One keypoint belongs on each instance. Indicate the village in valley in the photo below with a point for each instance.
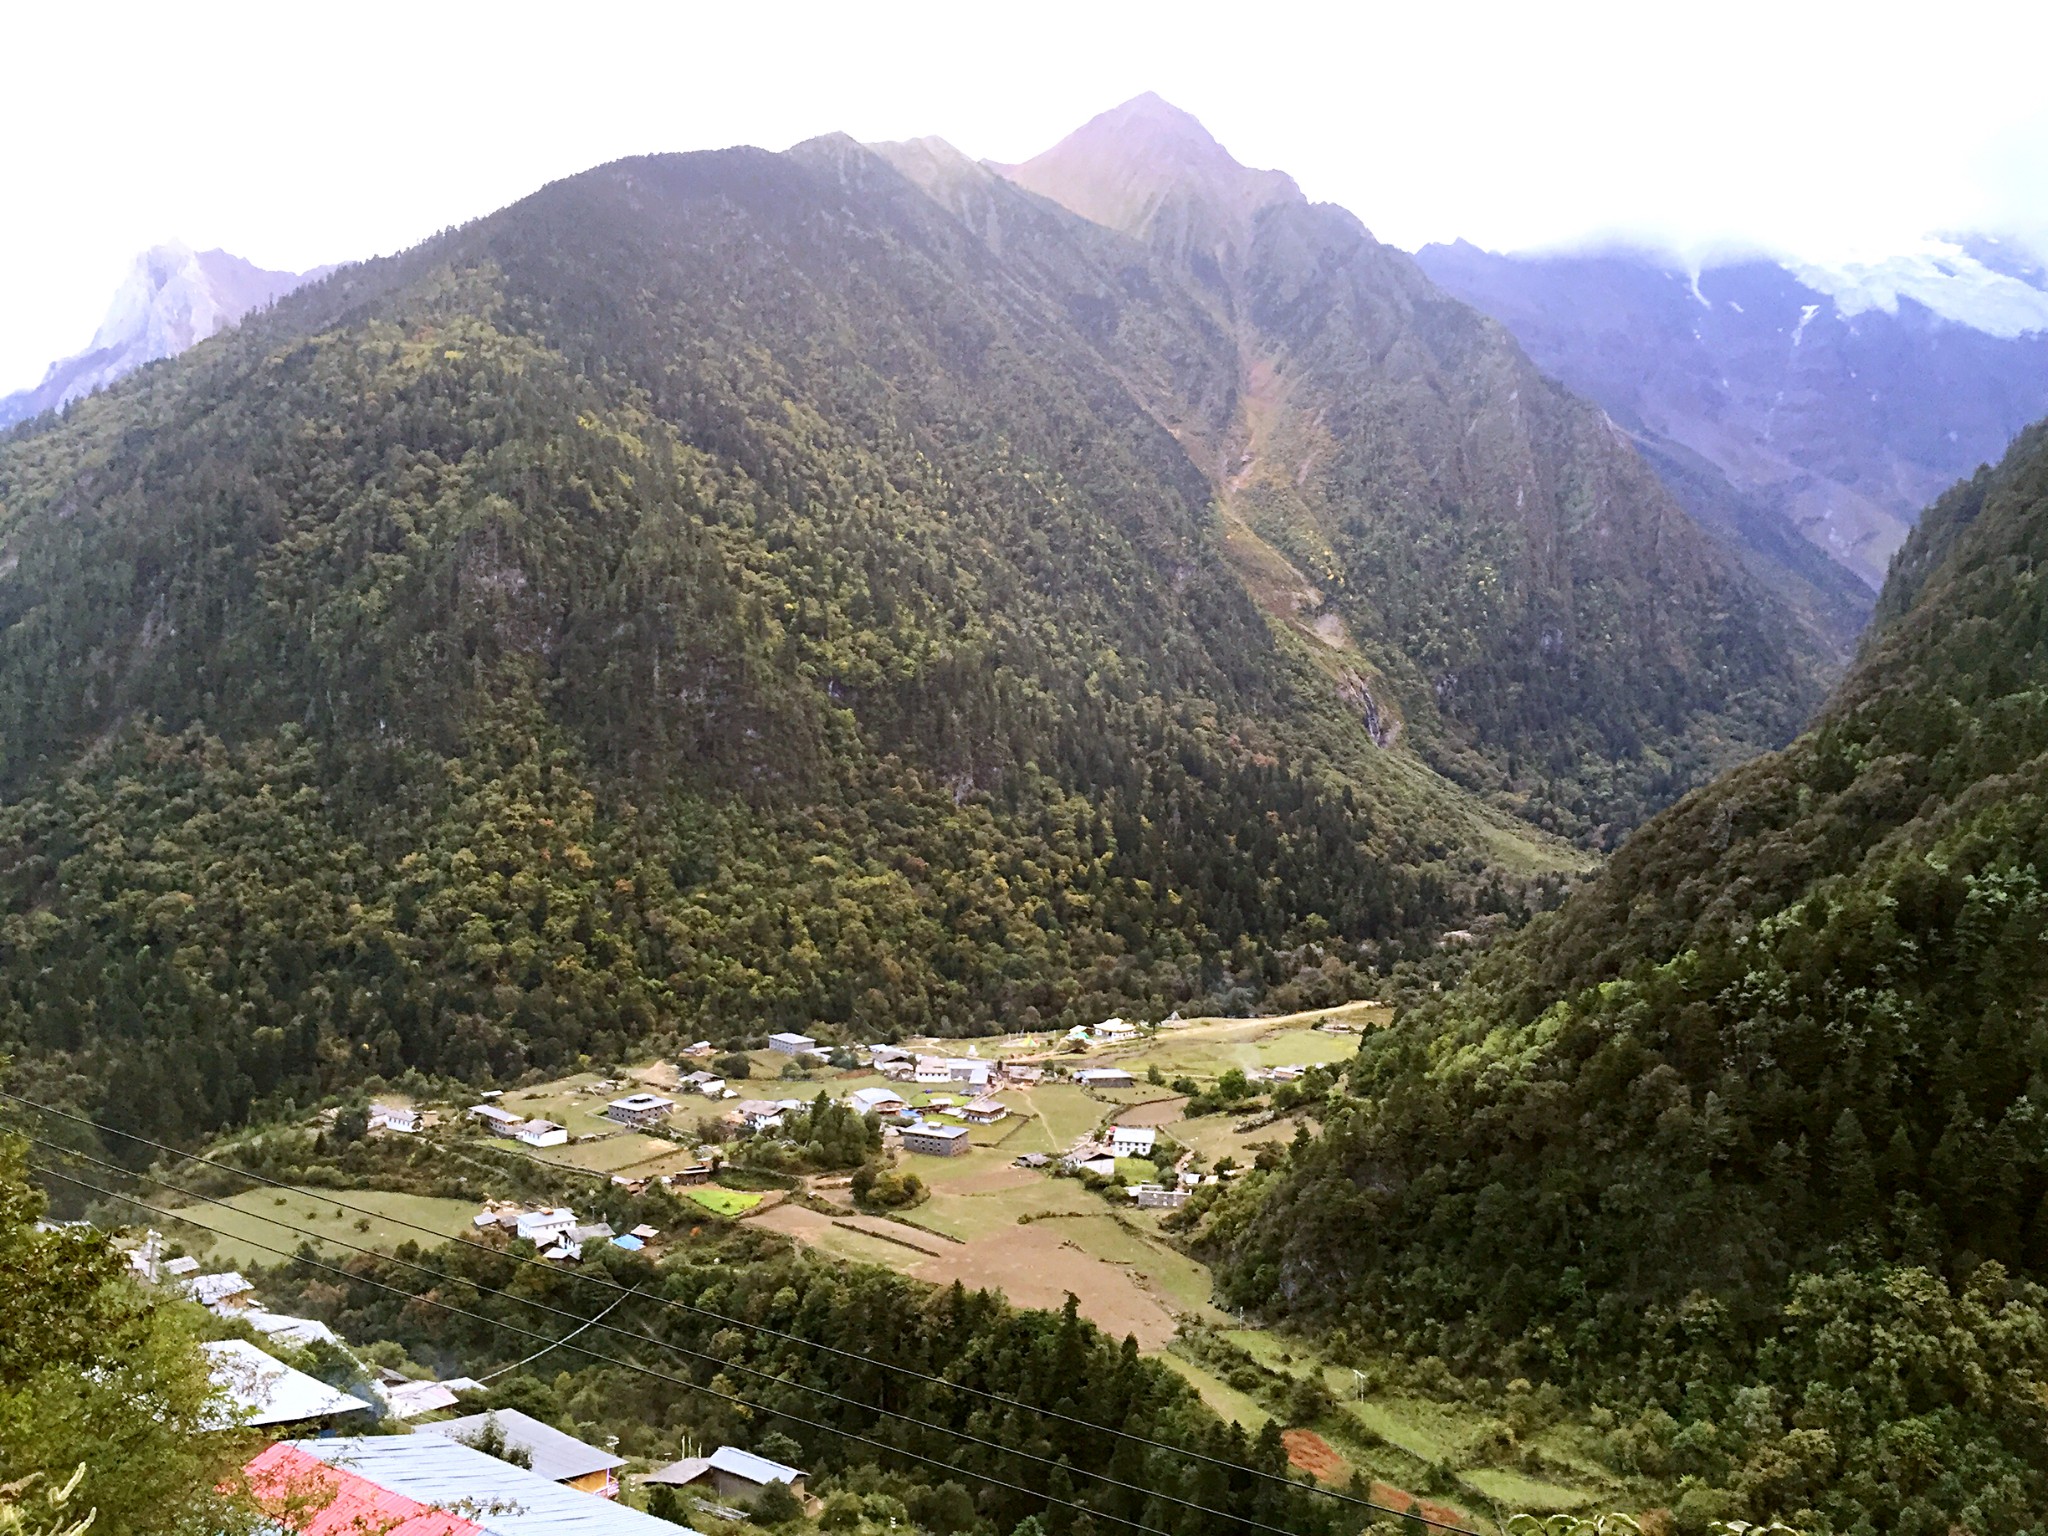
(1043, 1166)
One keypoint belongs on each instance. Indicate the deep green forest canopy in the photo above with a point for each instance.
(1750, 1137)
(721, 593)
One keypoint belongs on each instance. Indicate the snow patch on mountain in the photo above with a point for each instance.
(1940, 276)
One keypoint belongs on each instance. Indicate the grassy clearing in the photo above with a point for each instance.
(726, 1202)
(973, 1216)
(1520, 1491)
(249, 1220)
(1224, 1399)
(615, 1154)
(1066, 1113)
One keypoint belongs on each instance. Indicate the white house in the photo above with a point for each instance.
(1111, 1030)
(502, 1120)
(1156, 1197)
(1132, 1140)
(759, 1114)
(934, 1069)
(542, 1133)
(983, 1112)
(542, 1227)
(792, 1044)
(394, 1117)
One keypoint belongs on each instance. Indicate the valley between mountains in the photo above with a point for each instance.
(1050, 844)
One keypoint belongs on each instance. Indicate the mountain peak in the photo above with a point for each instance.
(1151, 170)
(172, 297)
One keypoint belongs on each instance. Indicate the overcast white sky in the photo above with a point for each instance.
(295, 135)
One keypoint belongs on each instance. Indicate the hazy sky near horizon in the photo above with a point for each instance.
(297, 136)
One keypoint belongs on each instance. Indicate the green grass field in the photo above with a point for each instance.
(969, 1216)
(246, 1221)
(1065, 1113)
(726, 1202)
(1226, 1401)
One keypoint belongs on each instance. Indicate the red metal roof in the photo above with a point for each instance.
(305, 1494)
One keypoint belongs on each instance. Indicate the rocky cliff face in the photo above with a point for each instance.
(1830, 403)
(172, 298)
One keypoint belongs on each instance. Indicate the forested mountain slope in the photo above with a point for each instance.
(1749, 1133)
(1485, 553)
(719, 593)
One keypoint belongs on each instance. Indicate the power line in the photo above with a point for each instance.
(606, 1283)
(680, 1349)
(627, 1365)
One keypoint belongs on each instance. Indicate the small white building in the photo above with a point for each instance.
(1154, 1197)
(758, 1114)
(934, 1069)
(983, 1111)
(792, 1044)
(542, 1133)
(394, 1117)
(1112, 1030)
(500, 1120)
(1132, 1140)
(543, 1227)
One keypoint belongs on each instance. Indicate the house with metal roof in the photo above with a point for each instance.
(262, 1391)
(221, 1293)
(301, 1493)
(935, 1140)
(876, 1101)
(1133, 1140)
(551, 1454)
(639, 1110)
(729, 1472)
(1104, 1077)
(495, 1497)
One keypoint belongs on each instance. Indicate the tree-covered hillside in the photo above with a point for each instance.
(1480, 550)
(719, 593)
(1748, 1137)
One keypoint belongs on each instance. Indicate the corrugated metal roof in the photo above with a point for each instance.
(556, 1456)
(728, 1459)
(755, 1469)
(261, 1390)
(306, 1495)
(502, 1499)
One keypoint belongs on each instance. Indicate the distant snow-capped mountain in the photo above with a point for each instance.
(1833, 401)
(172, 297)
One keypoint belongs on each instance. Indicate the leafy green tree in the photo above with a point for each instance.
(98, 1373)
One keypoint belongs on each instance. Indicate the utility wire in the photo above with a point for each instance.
(605, 1282)
(679, 1349)
(505, 1370)
(627, 1365)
